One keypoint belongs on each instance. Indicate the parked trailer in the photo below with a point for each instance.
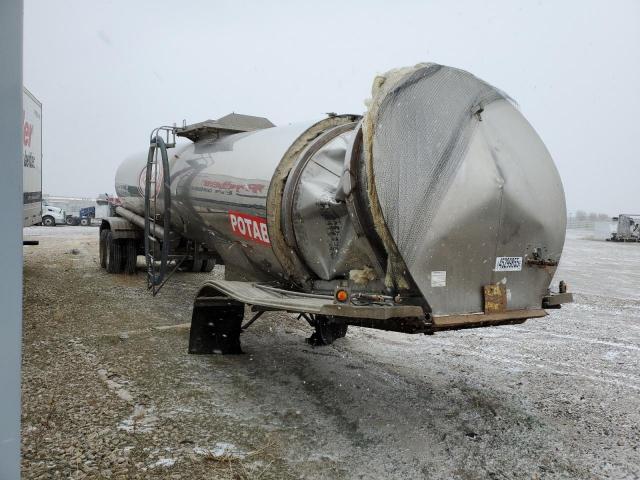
(628, 228)
(32, 159)
(438, 209)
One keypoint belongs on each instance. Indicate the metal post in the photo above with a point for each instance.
(11, 14)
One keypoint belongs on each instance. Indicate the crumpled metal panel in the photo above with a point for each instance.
(324, 233)
(421, 133)
(461, 180)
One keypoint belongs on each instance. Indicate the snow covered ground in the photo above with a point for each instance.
(107, 394)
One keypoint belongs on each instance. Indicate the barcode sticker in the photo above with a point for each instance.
(508, 264)
(439, 279)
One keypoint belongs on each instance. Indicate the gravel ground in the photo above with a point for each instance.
(110, 392)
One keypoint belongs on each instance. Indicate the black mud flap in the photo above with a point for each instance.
(327, 330)
(215, 326)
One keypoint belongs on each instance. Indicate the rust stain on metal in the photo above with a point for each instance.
(512, 317)
(495, 298)
(532, 262)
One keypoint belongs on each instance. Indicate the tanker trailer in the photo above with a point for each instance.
(438, 209)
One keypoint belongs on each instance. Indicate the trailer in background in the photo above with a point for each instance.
(32, 159)
(628, 229)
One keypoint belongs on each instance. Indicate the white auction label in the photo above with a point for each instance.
(439, 279)
(508, 264)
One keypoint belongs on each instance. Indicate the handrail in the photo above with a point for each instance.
(156, 274)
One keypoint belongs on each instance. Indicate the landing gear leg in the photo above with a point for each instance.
(215, 326)
(327, 330)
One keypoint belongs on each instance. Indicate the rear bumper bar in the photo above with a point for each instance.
(475, 320)
(403, 318)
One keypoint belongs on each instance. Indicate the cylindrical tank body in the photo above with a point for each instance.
(219, 191)
(428, 194)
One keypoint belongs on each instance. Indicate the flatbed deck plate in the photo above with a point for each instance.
(259, 295)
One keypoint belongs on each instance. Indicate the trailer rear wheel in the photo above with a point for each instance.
(102, 249)
(130, 256)
(192, 265)
(207, 265)
(114, 254)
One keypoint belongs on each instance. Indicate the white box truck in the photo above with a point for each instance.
(32, 159)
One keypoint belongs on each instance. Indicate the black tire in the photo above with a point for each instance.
(102, 249)
(130, 256)
(327, 330)
(114, 254)
(191, 266)
(207, 265)
(186, 266)
(85, 222)
(197, 265)
(69, 220)
(48, 221)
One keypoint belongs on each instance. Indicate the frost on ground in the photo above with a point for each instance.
(221, 449)
(109, 392)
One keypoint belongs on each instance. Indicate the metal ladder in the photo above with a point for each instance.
(157, 239)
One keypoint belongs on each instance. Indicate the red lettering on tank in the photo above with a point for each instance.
(236, 187)
(249, 227)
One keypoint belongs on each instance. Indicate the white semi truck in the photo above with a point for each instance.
(52, 216)
(32, 160)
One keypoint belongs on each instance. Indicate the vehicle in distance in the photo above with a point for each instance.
(79, 210)
(627, 229)
(31, 159)
(84, 217)
(52, 216)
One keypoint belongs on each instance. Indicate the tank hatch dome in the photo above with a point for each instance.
(227, 125)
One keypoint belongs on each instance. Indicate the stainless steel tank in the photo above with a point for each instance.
(219, 193)
(441, 188)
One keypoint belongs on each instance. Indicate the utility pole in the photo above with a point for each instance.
(11, 16)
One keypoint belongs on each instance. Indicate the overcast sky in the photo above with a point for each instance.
(107, 72)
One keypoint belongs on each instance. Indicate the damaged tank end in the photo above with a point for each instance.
(438, 209)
